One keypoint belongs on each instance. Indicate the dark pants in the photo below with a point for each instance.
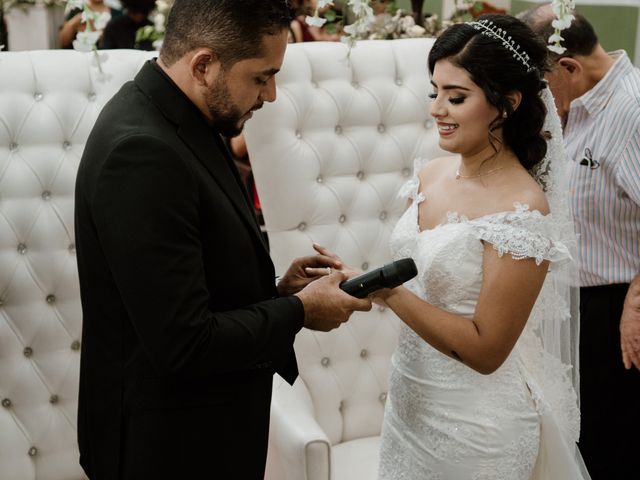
(609, 394)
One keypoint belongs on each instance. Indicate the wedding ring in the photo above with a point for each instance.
(328, 270)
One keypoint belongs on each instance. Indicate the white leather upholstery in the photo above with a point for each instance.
(49, 101)
(360, 125)
(329, 157)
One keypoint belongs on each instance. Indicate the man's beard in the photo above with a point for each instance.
(224, 114)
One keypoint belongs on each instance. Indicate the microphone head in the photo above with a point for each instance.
(398, 272)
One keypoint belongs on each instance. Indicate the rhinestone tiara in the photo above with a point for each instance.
(488, 28)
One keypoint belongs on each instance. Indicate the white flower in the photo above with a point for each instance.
(315, 21)
(324, 3)
(350, 30)
(557, 49)
(555, 38)
(162, 6)
(85, 41)
(101, 19)
(158, 22)
(407, 22)
(562, 22)
(415, 31)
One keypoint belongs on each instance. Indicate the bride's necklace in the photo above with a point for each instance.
(489, 172)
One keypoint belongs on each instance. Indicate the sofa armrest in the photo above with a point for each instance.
(298, 448)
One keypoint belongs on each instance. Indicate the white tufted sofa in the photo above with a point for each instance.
(49, 101)
(329, 157)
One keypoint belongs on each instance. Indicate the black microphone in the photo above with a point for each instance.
(388, 276)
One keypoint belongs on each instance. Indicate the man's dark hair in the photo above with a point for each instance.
(579, 39)
(233, 29)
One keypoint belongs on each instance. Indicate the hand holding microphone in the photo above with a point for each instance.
(388, 276)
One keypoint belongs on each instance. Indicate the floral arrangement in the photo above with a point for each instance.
(367, 26)
(155, 33)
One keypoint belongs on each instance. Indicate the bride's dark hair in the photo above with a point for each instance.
(497, 71)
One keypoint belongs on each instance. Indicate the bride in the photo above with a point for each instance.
(481, 383)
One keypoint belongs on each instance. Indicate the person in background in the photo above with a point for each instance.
(73, 21)
(598, 98)
(306, 33)
(120, 32)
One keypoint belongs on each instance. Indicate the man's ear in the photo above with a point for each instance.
(570, 65)
(204, 66)
(514, 98)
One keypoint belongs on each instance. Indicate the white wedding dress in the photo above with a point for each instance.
(445, 421)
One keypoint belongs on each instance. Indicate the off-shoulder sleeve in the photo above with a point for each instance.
(522, 234)
(410, 189)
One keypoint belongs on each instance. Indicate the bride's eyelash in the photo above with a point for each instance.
(453, 100)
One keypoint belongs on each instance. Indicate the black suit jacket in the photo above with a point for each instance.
(182, 327)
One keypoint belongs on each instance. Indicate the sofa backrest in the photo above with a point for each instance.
(329, 156)
(49, 101)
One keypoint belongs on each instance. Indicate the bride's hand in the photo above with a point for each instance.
(349, 271)
(380, 297)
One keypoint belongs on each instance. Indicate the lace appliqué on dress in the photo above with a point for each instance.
(523, 233)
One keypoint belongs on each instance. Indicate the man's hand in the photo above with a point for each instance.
(630, 326)
(326, 306)
(305, 270)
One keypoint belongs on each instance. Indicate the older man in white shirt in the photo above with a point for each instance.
(598, 98)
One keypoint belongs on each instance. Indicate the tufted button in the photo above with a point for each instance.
(72, 248)
(355, 84)
(406, 172)
(325, 361)
(314, 84)
(298, 134)
(319, 179)
(342, 219)
(53, 399)
(360, 175)
(302, 226)
(381, 128)
(399, 82)
(338, 130)
(66, 145)
(383, 397)
(341, 405)
(46, 195)
(6, 403)
(365, 266)
(381, 308)
(51, 299)
(363, 353)
(33, 451)
(75, 345)
(428, 124)
(92, 96)
(27, 352)
(37, 96)
(383, 215)
(22, 248)
(13, 146)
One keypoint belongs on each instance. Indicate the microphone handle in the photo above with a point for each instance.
(364, 285)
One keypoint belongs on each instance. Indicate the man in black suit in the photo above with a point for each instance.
(183, 323)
